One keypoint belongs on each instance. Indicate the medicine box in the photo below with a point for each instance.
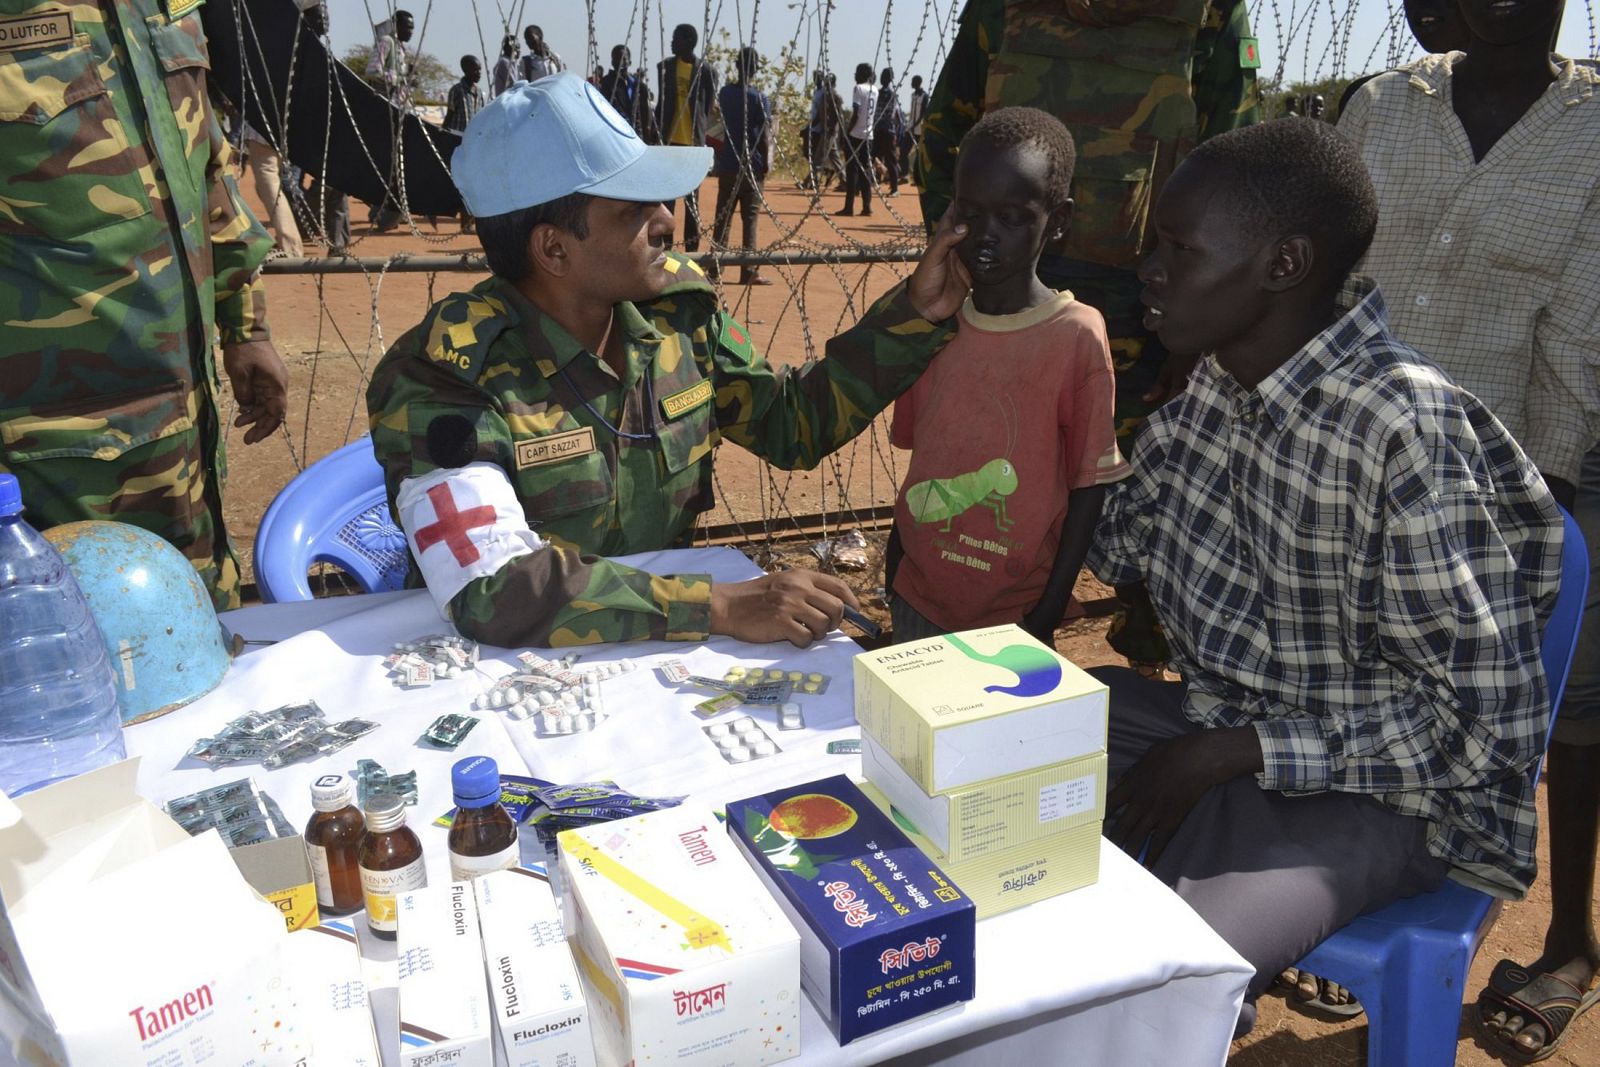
(980, 820)
(1022, 874)
(279, 870)
(688, 960)
(324, 965)
(539, 1010)
(886, 935)
(977, 705)
(444, 997)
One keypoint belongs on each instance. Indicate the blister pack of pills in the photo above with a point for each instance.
(741, 740)
(425, 660)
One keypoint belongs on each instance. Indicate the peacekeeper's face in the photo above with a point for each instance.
(625, 255)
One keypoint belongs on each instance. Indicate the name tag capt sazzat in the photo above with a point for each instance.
(553, 448)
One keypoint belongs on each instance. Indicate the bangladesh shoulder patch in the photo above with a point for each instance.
(1249, 54)
(735, 338)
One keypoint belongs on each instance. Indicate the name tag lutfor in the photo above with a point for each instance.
(35, 31)
(553, 448)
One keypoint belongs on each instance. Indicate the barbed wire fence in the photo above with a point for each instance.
(827, 272)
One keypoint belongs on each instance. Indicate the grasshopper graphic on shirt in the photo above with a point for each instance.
(943, 499)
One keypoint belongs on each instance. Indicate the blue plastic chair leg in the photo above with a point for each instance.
(1416, 1019)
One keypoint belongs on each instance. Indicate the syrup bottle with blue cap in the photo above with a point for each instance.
(483, 836)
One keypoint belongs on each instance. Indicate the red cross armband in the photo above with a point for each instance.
(462, 524)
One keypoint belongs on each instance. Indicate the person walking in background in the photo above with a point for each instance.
(625, 90)
(329, 206)
(858, 161)
(505, 68)
(918, 111)
(742, 159)
(390, 71)
(811, 135)
(464, 101)
(886, 126)
(267, 171)
(686, 92)
(541, 61)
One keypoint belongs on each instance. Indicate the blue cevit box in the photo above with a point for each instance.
(885, 936)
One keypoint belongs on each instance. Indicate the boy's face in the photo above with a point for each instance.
(1437, 25)
(1502, 22)
(1002, 195)
(1201, 288)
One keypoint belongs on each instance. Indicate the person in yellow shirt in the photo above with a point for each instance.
(686, 93)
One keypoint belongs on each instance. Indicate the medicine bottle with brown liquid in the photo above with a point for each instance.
(333, 844)
(483, 836)
(391, 863)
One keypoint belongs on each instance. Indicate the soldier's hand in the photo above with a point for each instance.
(941, 282)
(260, 386)
(797, 606)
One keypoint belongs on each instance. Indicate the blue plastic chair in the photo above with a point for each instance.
(334, 511)
(1408, 962)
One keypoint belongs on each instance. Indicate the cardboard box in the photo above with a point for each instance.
(1015, 876)
(444, 994)
(968, 707)
(981, 820)
(886, 935)
(279, 870)
(538, 1003)
(324, 964)
(690, 960)
(125, 941)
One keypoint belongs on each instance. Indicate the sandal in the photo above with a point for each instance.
(1551, 1001)
(1317, 1005)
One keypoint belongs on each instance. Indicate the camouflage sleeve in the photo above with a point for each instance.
(956, 103)
(238, 245)
(555, 596)
(1226, 96)
(794, 418)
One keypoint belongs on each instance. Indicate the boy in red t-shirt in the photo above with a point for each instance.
(1010, 428)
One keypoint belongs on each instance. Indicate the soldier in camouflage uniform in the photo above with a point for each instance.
(599, 373)
(1138, 83)
(125, 251)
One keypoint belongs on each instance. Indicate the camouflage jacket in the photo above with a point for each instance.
(548, 412)
(1138, 82)
(124, 251)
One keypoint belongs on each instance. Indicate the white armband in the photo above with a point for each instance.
(462, 524)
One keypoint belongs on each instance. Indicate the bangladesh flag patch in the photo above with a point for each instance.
(735, 338)
(1249, 53)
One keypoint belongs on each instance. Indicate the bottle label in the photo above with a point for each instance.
(379, 888)
(466, 868)
(319, 875)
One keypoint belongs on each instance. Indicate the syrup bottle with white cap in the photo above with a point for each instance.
(391, 863)
(333, 844)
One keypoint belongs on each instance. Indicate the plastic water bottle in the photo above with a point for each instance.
(58, 697)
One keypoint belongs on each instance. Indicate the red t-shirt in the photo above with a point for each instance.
(1014, 414)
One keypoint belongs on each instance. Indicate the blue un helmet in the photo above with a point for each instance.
(162, 635)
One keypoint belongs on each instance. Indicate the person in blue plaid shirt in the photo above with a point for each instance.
(464, 102)
(1352, 560)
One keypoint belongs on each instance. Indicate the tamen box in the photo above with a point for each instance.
(977, 705)
(533, 982)
(444, 997)
(886, 936)
(1021, 874)
(688, 958)
(980, 820)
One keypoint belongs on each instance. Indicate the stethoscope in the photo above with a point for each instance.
(650, 398)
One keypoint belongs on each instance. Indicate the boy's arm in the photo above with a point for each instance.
(1083, 512)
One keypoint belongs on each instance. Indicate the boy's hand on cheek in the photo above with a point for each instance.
(941, 282)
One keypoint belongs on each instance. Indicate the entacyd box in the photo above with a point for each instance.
(279, 870)
(324, 964)
(123, 940)
(983, 704)
(886, 936)
(980, 820)
(538, 1001)
(444, 994)
(688, 958)
(1021, 874)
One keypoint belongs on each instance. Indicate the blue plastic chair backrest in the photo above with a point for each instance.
(1560, 641)
(335, 511)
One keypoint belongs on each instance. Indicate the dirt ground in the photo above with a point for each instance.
(331, 330)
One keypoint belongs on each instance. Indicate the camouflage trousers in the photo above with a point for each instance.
(171, 486)
(1137, 356)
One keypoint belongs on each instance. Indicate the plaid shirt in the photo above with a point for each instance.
(1494, 264)
(1348, 558)
(464, 101)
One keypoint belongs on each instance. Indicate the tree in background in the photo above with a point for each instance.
(431, 79)
(786, 81)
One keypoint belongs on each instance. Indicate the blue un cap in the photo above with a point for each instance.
(539, 141)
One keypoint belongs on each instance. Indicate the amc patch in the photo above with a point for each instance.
(555, 447)
(686, 399)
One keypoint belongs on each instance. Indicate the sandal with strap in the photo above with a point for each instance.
(1547, 999)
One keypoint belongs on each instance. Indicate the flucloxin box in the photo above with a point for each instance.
(688, 958)
(538, 1003)
(977, 705)
(974, 821)
(886, 935)
(444, 996)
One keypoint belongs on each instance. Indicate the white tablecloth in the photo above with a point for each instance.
(1120, 972)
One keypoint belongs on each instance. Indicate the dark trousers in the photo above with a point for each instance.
(885, 149)
(858, 174)
(334, 209)
(691, 220)
(1272, 874)
(741, 190)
